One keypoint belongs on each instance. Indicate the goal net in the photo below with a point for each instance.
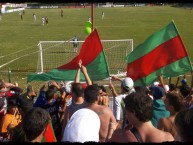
(56, 53)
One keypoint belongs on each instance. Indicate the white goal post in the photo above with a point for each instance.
(53, 54)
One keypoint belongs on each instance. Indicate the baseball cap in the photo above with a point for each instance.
(157, 92)
(155, 83)
(184, 81)
(127, 83)
(15, 91)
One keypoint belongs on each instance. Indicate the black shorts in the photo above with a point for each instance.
(75, 45)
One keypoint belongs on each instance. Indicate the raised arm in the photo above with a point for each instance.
(112, 88)
(115, 78)
(162, 82)
(87, 78)
(77, 77)
(177, 81)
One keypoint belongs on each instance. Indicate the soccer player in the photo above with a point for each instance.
(103, 15)
(75, 44)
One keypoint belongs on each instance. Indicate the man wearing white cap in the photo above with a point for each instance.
(83, 126)
(127, 87)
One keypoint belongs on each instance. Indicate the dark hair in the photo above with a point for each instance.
(172, 87)
(91, 93)
(78, 89)
(53, 88)
(142, 89)
(176, 100)
(49, 94)
(12, 102)
(103, 88)
(185, 91)
(183, 122)
(34, 122)
(140, 104)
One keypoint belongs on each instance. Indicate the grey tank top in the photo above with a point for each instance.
(74, 107)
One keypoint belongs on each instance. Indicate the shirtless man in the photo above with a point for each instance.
(174, 104)
(139, 113)
(107, 119)
(140, 117)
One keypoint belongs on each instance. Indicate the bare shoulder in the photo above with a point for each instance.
(157, 135)
(169, 136)
(165, 136)
(106, 108)
(122, 136)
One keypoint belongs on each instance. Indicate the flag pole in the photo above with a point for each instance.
(92, 13)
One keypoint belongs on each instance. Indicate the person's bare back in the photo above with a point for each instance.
(151, 134)
(106, 117)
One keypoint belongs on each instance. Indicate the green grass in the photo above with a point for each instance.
(135, 23)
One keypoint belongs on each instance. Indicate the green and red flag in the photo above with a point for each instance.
(49, 135)
(93, 58)
(163, 53)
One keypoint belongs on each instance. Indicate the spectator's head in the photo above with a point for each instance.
(156, 83)
(103, 88)
(157, 92)
(17, 91)
(12, 105)
(184, 125)
(142, 89)
(184, 82)
(50, 94)
(50, 86)
(91, 93)
(25, 102)
(83, 126)
(185, 91)
(173, 101)
(127, 84)
(30, 91)
(140, 105)
(172, 87)
(77, 90)
(35, 123)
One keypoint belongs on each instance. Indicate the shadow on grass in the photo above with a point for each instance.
(183, 5)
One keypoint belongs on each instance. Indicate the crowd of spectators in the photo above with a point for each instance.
(80, 112)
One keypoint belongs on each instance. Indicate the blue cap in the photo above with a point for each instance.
(157, 92)
(184, 81)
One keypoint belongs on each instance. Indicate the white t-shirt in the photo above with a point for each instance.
(117, 109)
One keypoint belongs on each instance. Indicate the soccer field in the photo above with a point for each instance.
(19, 38)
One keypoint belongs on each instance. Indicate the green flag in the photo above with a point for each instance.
(92, 56)
(163, 53)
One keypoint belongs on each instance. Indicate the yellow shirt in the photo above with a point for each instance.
(7, 120)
